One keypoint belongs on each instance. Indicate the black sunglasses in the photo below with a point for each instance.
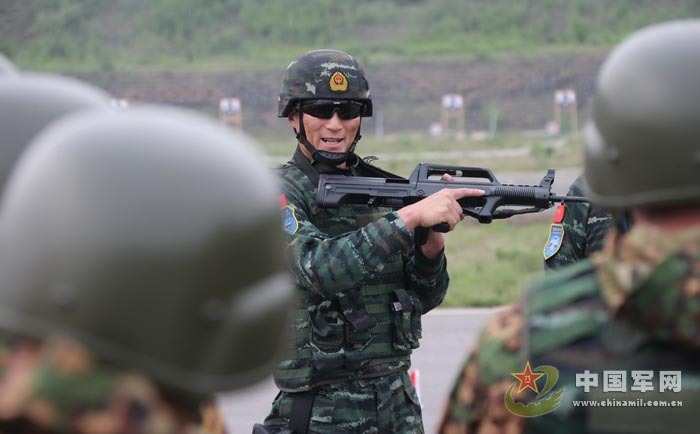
(324, 109)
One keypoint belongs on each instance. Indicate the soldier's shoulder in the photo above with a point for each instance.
(297, 191)
(292, 179)
(366, 167)
(72, 386)
(578, 187)
(500, 345)
(562, 286)
(288, 169)
(577, 210)
(564, 307)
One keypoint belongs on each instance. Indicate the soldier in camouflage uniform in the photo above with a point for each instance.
(578, 229)
(131, 275)
(363, 282)
(633, 306)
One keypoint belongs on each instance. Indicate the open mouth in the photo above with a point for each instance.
(331, 140)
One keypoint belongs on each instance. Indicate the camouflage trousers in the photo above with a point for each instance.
(386, 404)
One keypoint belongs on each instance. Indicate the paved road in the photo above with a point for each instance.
(447, 336)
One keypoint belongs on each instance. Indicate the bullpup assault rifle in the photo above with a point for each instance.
(499, 201)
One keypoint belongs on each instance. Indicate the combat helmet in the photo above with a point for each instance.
(153, 237)
(30, 102)
(324, 74)
(643, 147)
(6, 67)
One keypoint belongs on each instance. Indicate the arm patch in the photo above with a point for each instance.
(556, 236)
(290, 224)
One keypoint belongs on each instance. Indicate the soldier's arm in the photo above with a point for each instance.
(428, 278)
(476, 401)
(328, 264)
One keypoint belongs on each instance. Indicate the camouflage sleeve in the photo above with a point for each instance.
(597, 226)
(428, 278)
(327, 264)
(574, 240)
(476, 401)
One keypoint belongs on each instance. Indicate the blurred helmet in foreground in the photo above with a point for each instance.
(30, 102)
(643, 147)
(152, 236)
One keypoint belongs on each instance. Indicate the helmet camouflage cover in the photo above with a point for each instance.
(323, 74)
(643, 147)
(153, 237)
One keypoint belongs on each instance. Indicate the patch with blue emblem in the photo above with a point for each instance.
(290, 224)
(556, 236)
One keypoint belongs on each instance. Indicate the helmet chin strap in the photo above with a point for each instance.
(326, 157)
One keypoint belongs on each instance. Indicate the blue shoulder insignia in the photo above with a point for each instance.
(556, 236)
(290, 224)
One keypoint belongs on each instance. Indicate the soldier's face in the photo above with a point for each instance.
(333, 134)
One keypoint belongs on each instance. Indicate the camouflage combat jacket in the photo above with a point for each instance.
(362, 284)
(578, 230)
(58, 387)
(622, 320)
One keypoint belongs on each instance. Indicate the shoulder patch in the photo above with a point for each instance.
(556, 236)
(290, 224)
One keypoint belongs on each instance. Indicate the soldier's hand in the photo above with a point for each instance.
(440, 207)
(435, 243)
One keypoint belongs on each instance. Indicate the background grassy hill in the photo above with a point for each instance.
(504, 56)
(102, 35)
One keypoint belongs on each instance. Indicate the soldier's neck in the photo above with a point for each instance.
(306, 153)
(669, 219)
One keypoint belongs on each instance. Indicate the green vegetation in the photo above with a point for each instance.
(401, 153)
(244, 34)
(490, 264)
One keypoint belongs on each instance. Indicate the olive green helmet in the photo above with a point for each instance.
(152, 236)
(30, 102)
(643, 148)
(323, 74)
(6, 67)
